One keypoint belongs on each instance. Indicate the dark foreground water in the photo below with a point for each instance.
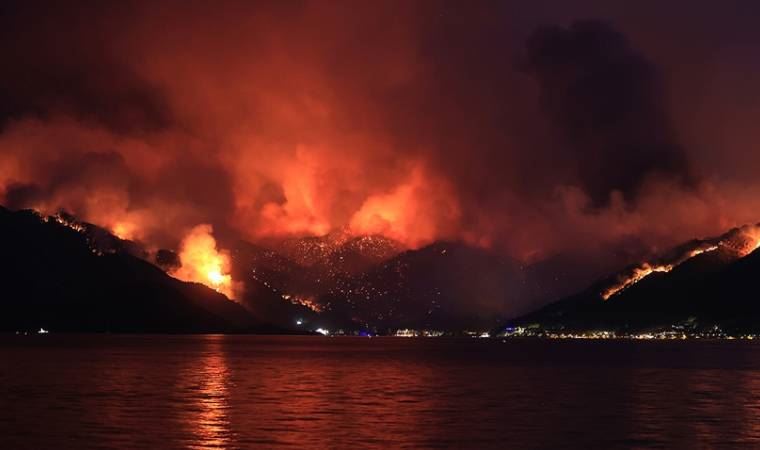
(311, 392)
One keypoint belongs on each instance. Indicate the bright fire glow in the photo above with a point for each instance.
(646, 269)
(639, 274)
(698, 251)
(125, 230)
(203, 263)
(405, 215)
(62, 220)
(308, 302)
(751, 242)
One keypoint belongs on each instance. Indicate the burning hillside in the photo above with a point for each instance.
(699, 287)
(57, 274)
(399, 138)
(202, 262)
(646, 269)
(740, 241)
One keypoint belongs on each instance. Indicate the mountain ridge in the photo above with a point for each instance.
(54, 277)
(707, 288)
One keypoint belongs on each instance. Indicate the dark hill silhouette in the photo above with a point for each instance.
(713, 288)
(60, 278)
(445, 285)
(368, 283)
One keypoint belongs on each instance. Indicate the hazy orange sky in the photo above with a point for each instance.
(606, 128)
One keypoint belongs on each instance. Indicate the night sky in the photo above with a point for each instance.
(605, 130)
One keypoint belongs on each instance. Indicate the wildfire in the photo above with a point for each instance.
(646, 269)
(304, 301)
(405, 214)
(66, 221)
(699, 251)
(203, 263)
(125, 230)
(639, 274)
(750, 241)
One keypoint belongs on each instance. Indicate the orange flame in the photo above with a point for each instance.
(60, 219)
(203, 263)
(646, 269)
(304, 301)
(415, 213)
(639, 274)
(751, 241)
(125, 230)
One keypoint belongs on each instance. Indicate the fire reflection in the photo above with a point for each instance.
(209, 421)
(750, 396)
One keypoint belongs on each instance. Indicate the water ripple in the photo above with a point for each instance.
(307, 392)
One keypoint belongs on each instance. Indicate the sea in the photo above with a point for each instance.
(61, 391)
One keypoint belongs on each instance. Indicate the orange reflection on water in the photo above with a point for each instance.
(750, 398)
(209, 419)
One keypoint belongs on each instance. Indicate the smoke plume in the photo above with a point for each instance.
(419, 121)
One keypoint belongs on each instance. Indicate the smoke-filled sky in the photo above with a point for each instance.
(530, 127)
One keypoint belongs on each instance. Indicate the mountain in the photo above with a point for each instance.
(368, 282)
(275, 286)
(288, 280)
(338, 252)
(63, 275)
(704, 283)
(360, 254)
(336, 248)
(445, 285)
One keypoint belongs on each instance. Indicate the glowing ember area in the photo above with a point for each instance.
(308, 302)
(203, 263)
(697, 251)
(750, 241)
(755, 245)
(66, 221)
(125, 230)
(325, 139)
(639, 274)
(646, 269)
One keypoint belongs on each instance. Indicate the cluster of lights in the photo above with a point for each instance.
(323, 331)
(308, 251)
(675, 333)
(366, 296)
(406, 332)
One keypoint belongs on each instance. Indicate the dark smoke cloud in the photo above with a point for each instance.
(87, 173)
(59, 60)
(608, 101)
(419, 120)
(22, 195)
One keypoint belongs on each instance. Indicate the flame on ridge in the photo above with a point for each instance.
(646, 269)
(740, 241)
(62, 219)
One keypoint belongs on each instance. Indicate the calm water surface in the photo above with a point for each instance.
(63, 391)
